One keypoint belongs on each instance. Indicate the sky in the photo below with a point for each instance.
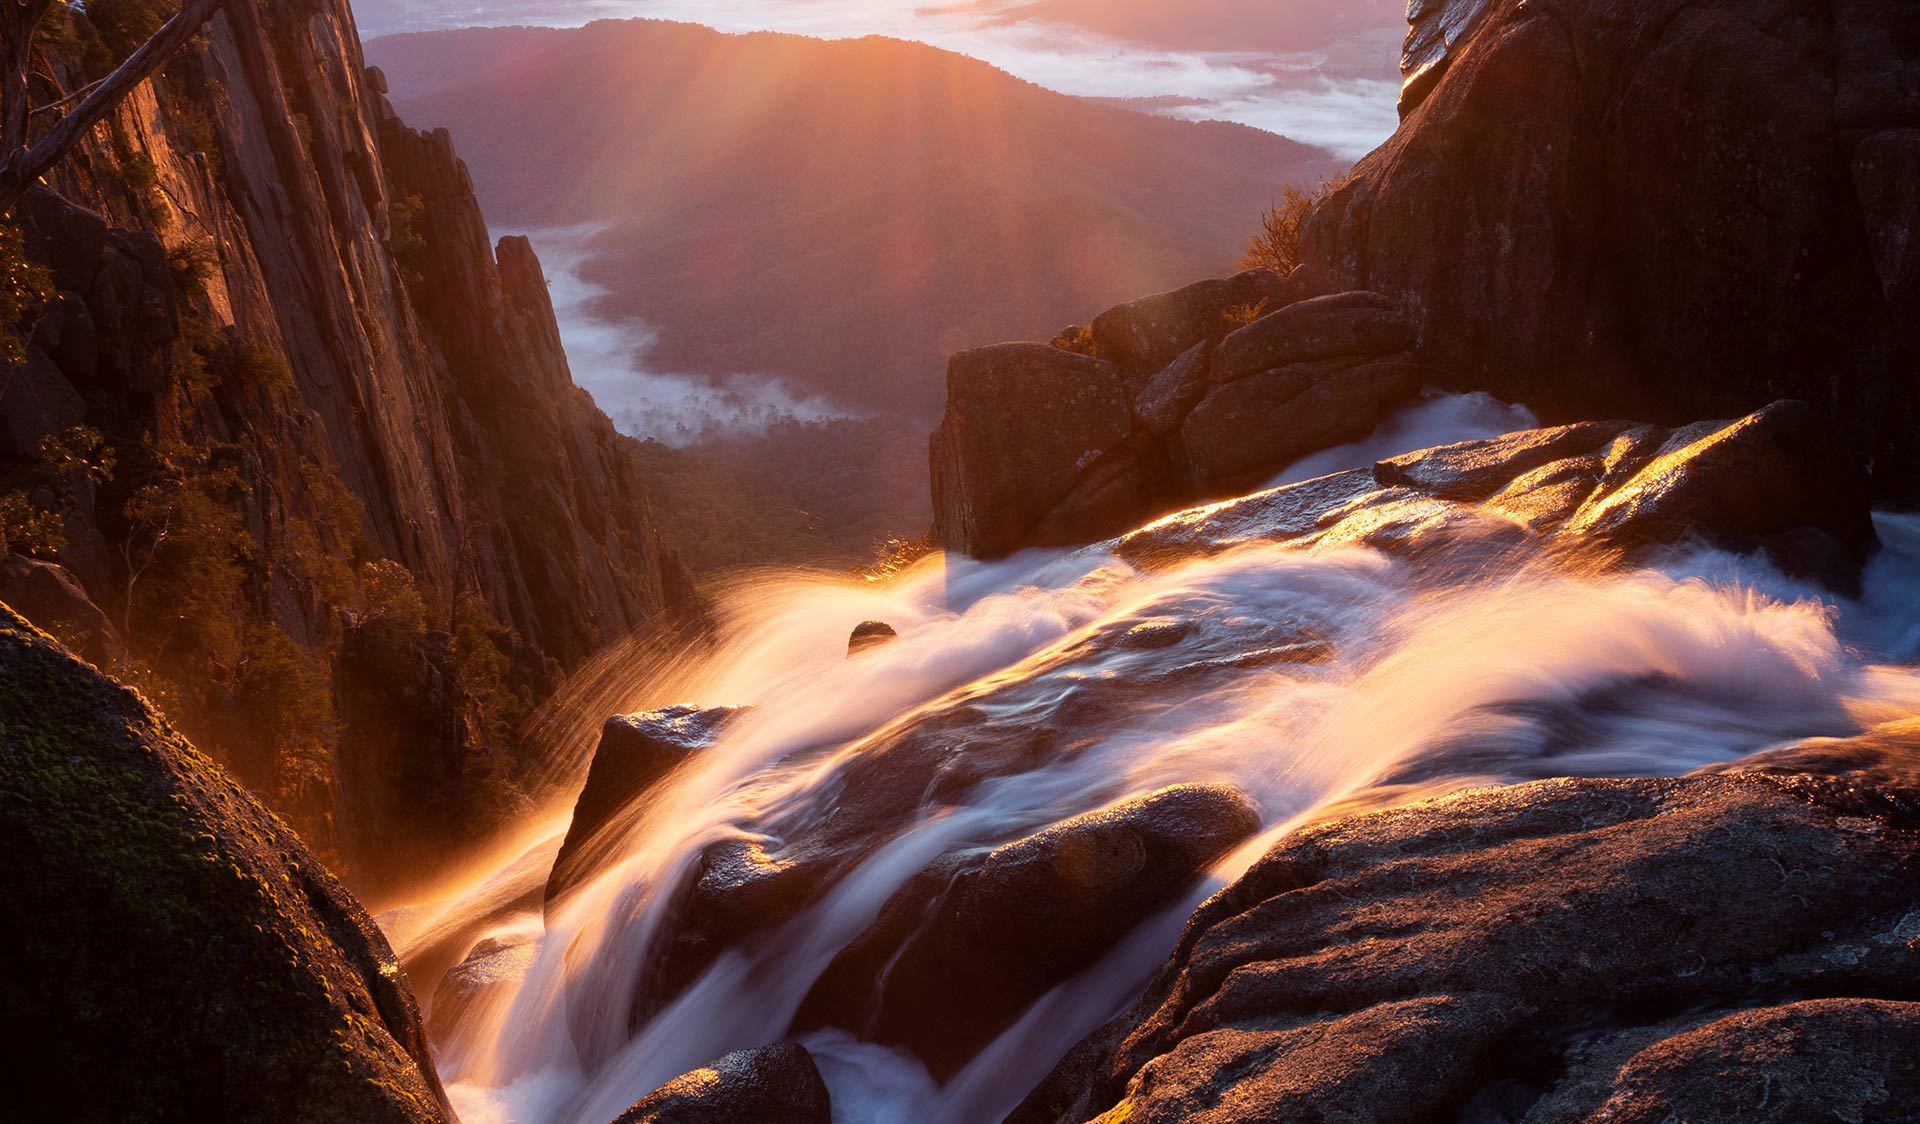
(1319, 71)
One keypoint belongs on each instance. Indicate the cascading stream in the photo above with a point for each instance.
(1308, 679)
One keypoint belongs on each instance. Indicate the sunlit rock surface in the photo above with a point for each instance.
(178, 953)
(1569, 950)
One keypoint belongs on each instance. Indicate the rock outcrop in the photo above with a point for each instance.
(1717, 947)
(177, 953)
(1189, 395)
(636, 752)
(1664, 210)
(270, 293)
(777, 1084)
(961, 949)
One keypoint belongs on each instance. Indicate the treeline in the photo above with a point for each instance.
(829, 493)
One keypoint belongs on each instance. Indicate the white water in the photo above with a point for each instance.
(1428, 684)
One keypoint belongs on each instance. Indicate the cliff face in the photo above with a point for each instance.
(285, 320)
(1666, 209)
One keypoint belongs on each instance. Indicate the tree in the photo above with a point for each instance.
(25, 158)
(1277, 246)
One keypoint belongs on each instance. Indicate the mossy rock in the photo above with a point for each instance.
(173, 951)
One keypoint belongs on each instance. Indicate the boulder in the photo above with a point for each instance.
(1246, 430)
(1661, 210)
(180, 955)
(1172, 394)
(1023, 423)
(1566, 950)
(967, 944)
(53, 599)
(776, 1084)
(1145, 335)
(493, 968)
(1332, 327)
(636, 752)
(870, 634)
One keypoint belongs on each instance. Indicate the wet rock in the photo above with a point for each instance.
(1391, 966)
(1024, 422)
(189, 958)
(870, 634)
(1145, 335)
(969, 942)
(776, 1084)
(54, 601)
(1249, 429)
(493, 969)
(636, 752)
(1330, 327)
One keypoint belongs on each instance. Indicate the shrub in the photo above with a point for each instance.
(79, 449)
(480, 667)
(256, 364)
(25, 288)
(25, 529)
(393, 596)
(1240, 315)
(192, 263)
(1078, 340)
(187, 551)
(1277, 246)
(287, 705)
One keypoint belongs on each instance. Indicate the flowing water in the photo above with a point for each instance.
(1309, 679)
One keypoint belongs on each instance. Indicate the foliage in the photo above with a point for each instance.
(287, 706)
(801, 493)
(25, 529)
(192, 264)
(255, 364)
(1277, 245)
(481, 667)
(1240, 315)
(393, 596)
(187, 554)
(25, 287)
(404, 239)
(79, 449)
(1079, 340)
(125, 24)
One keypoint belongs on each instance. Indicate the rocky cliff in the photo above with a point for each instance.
(1666, 210)
(281, 387)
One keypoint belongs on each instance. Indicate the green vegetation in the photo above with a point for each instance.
(286, 702)
(824, 494)
(481, 668)
(25, 529)
(187, 553)
(393, 596)
(25, 288)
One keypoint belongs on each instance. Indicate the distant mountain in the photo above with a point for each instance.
(841, 213)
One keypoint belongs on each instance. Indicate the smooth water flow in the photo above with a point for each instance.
(1308, 679)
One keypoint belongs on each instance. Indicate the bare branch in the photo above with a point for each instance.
(25, 166)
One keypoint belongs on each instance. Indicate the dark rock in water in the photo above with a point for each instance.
(776, 1084)
(181, 955)
(636, 752)
(1330, 327)
(1641, 945)
(870, 634)
(1657, 210)
(54, 601)
(494, 967)
(1241, 433)
(969, 942)
(1145, 335)
(1024, 423)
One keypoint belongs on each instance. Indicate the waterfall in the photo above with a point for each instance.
(1313, 681)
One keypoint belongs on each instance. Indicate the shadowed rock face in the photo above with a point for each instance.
(776, 1084)
(969, 942)
(1664, 210)
(178, 954)
(1567, 950)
